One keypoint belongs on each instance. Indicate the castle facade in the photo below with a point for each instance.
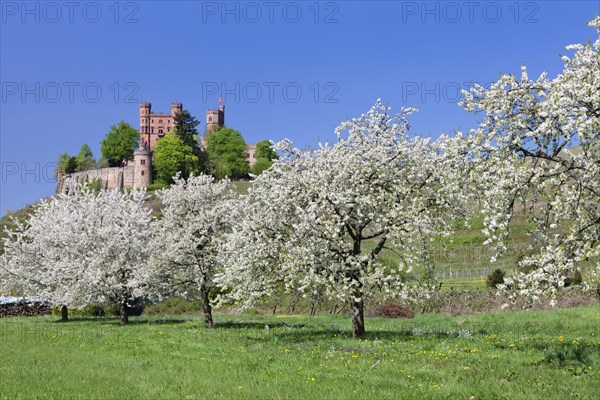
(156, 126)
(137, 173)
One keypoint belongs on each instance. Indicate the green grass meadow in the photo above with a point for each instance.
(507, 355)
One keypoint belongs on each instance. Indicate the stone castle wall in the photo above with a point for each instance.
(112, 178)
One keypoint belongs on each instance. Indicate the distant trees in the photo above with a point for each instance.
(65, 163)
(85, 159)
(260, 165)
(264, 157)
(119, 144)
(172, 156)
(264, 149)
(226, 151)
(82, 162)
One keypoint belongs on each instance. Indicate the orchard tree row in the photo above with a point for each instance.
(316, 222)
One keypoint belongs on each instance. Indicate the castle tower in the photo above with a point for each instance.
(176, 108)
(142, 174)
(154, 126)
(215, 118)
(145, 111)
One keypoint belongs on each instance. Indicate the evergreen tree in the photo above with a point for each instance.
(71, 165)
(185, 128)
(85, 158)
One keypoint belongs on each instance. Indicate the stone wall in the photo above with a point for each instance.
(112, 178)
(25, 309)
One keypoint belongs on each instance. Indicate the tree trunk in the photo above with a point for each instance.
(125, 297)
(64, 314)
(338, 312)
(295, 300)
(358, 319)
(208, 321)
(124, 313)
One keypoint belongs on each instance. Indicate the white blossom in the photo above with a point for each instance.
(82, 248)
(188, 237)
(317, 221)
(540, 141)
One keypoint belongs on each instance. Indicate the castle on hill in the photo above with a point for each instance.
(137, 173)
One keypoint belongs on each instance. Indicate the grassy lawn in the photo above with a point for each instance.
(510, 355)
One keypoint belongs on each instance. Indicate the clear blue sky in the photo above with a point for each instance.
(284, 69)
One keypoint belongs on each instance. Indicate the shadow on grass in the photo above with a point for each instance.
(116, 321)
(319, 335)
(303, 332)
(265, 325)
(298, 332)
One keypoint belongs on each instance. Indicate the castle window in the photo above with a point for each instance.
(152, 129)
(143, 173)
(143, 162)
(209, 119)
(160, 130)
(160, 121)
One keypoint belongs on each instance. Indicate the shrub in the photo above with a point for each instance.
(519, 257)
(174, 306)
(495, 278)
(92, 310)
(393, 310)
(574, 279)
(577, 278)
(112, 310)
(95, 184)
(157, 185)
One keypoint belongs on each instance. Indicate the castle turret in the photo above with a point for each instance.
(142, 175)
(145, 111)
(176, 108)
(215, 118)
